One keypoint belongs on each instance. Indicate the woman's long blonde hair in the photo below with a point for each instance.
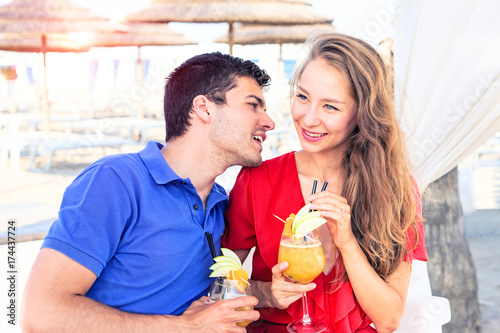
(377, 185)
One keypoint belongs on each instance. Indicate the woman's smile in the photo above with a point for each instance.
(313, 136)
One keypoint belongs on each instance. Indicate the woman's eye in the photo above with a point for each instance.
(302, 97)
(330, 107)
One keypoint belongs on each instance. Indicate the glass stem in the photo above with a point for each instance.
(306, 319)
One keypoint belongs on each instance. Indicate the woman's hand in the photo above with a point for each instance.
(337, 213)
(283, 291)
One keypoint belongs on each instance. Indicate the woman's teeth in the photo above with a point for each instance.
(314, 135)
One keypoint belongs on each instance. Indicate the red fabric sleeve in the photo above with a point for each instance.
(419, 252)
(240, 228)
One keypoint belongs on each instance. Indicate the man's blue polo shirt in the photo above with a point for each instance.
(141, 229)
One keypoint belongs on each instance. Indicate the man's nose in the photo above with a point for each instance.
(267, 122)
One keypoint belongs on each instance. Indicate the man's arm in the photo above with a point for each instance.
(54, 301)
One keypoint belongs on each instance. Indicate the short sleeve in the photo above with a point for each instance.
(419, 252)
(240, 228)
(94, 213)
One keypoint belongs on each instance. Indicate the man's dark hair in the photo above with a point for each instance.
(209, 74)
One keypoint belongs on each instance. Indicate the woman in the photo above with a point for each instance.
(343, 112)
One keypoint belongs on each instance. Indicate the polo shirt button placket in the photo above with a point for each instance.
(195, 206)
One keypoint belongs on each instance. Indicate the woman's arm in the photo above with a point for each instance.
(383, 301)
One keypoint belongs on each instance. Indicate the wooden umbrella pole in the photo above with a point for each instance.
(140, 78)
(281, 76)
(231, 37)
(46, 91)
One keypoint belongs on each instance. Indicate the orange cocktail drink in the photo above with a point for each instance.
(245, 322)
(305, 258)
(305, 261)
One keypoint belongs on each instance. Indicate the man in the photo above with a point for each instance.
(128, 252)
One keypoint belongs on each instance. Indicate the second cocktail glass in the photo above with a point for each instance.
(223, 288)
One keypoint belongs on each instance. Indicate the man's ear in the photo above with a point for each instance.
(201, 107)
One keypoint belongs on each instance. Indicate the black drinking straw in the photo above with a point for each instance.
(315, 183)
(211, 244)
(325, 184)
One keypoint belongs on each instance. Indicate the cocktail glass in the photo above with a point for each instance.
(306, 261)
(223, 288)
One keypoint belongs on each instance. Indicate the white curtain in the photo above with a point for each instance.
(447, 64)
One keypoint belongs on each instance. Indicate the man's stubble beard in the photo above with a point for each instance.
(230, 145)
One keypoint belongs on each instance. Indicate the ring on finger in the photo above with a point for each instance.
(341, 211)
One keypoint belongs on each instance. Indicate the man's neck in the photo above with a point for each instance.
(190, 160)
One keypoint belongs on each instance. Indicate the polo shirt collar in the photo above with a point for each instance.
(162, 173)
(217, 194)
(159, 169)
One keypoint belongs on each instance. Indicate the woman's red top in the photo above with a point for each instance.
(274, 189)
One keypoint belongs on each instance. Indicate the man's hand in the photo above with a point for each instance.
(204, 316)
(54, 302)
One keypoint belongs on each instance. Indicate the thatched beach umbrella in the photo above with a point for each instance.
(231, 11)
(275, 34)
(50, 16)
(33, 42)
(141, 34)
(43, 17)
